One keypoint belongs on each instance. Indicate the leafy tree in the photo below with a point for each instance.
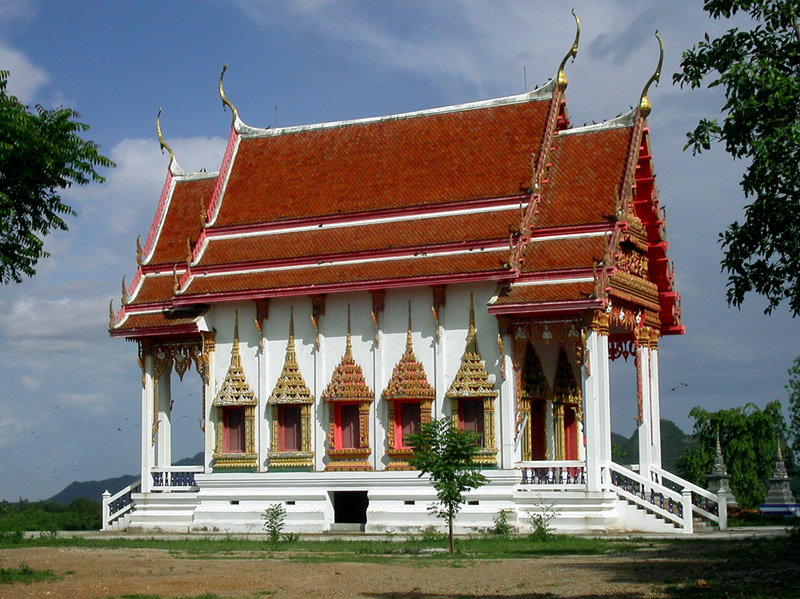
(793, 387)
(41, 154)
(446, 454)
(759, 68)
(748, 440)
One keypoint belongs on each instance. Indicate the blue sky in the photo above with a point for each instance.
(69, 395)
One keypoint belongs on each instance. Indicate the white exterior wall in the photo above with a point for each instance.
(398, 501)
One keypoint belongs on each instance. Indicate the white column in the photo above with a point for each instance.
(549, 430)
(596, 402)
(377, 433)
(263, 409)
(505, 413)
(210, 391)
(643, 383)
(321, 413)
(164, 456)
(148, 457)
(655, 409)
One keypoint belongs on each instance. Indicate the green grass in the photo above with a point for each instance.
(484, 547)
(25, 574)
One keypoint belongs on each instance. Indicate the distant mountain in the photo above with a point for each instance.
(673, 443)
(93, 489)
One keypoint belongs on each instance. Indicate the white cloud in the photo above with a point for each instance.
(30, 383)
(25, 79)
(12, 429)
(91, 403)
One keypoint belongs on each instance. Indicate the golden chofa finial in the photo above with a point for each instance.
(225, 101)
(644, 102)
(111, 318)
(573, 52)
(139, 251)
(162, 141)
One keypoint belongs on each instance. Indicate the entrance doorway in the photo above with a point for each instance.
(350, 507)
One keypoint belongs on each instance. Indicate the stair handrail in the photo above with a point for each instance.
(109, 500)
(719, 518)
(648, 490)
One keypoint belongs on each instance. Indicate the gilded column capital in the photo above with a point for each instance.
(599, 322)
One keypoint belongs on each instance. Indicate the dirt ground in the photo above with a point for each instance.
(118, 573)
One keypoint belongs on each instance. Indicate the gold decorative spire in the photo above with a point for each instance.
(111, 319)
(573, 52)
(408, 378)
(347, 382)
(124, 298)
(291, 387)
(139, 251)
(163, 143)
(235, 391)
(566, 389)
(471, 380)
(225, 101)
(644, 102)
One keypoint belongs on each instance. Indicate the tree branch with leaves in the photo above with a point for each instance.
(41, 154)
(759, 69)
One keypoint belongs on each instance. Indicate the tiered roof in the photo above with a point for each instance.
(500, 190)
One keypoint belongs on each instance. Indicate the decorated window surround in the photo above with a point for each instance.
(472, 382)
(408, 386)
(348, 387)
(235, 393)
(291, 391)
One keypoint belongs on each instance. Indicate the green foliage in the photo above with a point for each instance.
(41, 154)
(749, 443)
(793, 387)
(759, 69)
(501, 525)
(446, 454)
(274, 517)
(81, 514)
(25, 574)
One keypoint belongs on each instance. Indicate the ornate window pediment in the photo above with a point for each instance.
(472, 396)
(348, 398)
(235, 405)
(290, 406)
(409, 397)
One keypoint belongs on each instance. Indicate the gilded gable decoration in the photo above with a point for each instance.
(235, 402)
(291, 393)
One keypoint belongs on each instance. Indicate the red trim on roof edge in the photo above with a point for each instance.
(560, 306)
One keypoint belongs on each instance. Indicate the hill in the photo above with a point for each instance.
(93, 489)
(673, 443)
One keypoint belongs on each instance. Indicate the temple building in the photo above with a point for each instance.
(336, 285)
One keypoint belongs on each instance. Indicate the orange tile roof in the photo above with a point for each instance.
(418, 161)
(382, 273)
(154, 289)
(154, 320)
(562, 254)
(182, 220)
(585, 177)
(360, 238)
(535, 294)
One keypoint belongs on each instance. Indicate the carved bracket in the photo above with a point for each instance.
(378, 305)
(439, 300)
(317, 311)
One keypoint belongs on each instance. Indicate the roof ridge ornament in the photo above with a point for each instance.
(644, 103)
(173, 167)
(561, 77)
(225, 101)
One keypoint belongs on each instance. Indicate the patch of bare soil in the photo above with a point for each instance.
(107, 573)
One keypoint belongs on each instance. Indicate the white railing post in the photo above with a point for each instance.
(722, 509)
(688, 513)
(106, 498)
